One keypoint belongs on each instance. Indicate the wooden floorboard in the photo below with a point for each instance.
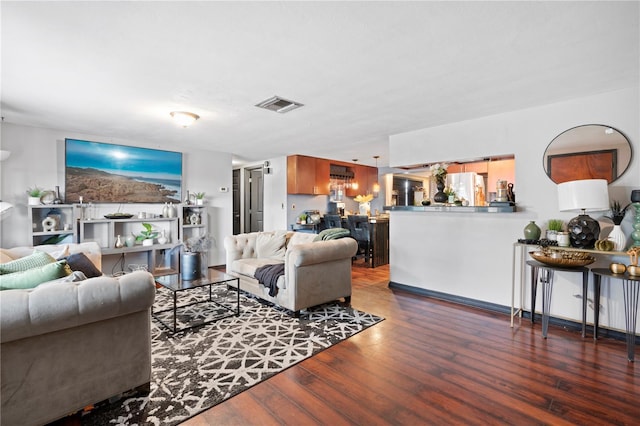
(436, 362)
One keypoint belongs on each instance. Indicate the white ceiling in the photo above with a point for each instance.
(364, 70)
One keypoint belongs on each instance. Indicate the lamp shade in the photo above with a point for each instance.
(587, 195)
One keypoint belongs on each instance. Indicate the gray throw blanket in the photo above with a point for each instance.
(268, 276)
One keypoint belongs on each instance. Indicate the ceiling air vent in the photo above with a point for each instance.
(279, 104)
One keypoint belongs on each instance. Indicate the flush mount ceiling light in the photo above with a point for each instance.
(183, 118)
(279, 104)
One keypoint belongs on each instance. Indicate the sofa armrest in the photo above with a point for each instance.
(321, 251)
(52, 307)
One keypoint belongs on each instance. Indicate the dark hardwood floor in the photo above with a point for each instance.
(434, 362)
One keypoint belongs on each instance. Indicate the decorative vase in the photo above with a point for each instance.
(190, 268)
(162, 239)
(440, 196)
(532, 231)
(130, 241)
(364, 208)
(119, 243)
(618, 238)
(165, 210)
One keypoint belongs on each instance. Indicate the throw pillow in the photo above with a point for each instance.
(80, 262)
(271, 246)
(32, 277)
(35, 260)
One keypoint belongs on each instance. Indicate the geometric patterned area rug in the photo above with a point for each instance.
(196, 369)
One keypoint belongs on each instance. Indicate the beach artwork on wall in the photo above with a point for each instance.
(107, 173)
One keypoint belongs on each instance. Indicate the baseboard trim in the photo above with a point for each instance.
(494, 307)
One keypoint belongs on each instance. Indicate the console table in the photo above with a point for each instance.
(546, 273)
(631, 290)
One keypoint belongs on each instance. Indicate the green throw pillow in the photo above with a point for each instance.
(35, 276)
(36, 259)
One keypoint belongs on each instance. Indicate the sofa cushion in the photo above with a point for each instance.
(32, 277)
(5, 256)
(36, 259)
(80, 262)
(271, 245)
(248, 266)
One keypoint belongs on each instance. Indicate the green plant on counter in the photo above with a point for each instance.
(449, 191)
(34, 192)
(303, 218)
(555, 225)
(147, 234)
(199, 195)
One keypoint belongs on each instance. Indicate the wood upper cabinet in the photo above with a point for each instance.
(307, 175)
(477, 166)
(323, 182)
(366, 176)
(503, 170)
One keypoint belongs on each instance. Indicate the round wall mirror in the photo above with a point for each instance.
(592, 151)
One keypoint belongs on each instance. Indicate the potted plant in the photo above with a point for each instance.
(34, 194)
(553, 227)
(199, 198)
(147, 235)
(616, 235)
(451, 194)
(303, 218)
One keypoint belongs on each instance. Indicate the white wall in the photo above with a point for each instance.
(470, 255)
(37, 158)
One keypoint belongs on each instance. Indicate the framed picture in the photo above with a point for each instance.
(600, 164)
(108, 173)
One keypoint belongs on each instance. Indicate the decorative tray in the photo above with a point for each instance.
(118, 216)
(562, 258)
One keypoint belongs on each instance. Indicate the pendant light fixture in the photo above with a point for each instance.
(354, 184)
(376, 184)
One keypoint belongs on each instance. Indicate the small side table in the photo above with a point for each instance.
(546, 278)
(630, 290)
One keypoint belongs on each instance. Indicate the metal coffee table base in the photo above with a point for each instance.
(228, 311)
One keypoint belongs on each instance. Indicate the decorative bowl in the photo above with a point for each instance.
(118, 216)
(562, 258)
(634, 270)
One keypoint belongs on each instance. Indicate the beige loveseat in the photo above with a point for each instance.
(315, 272)
(66, 345)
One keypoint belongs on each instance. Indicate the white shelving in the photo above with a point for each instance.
(57, 216)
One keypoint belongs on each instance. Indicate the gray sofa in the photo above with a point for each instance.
(315, 272)
(67, 345)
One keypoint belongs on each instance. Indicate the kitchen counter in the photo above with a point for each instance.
(452, 209)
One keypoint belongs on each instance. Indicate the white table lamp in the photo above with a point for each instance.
(588, 195)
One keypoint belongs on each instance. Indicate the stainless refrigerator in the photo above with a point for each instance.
(466, 185)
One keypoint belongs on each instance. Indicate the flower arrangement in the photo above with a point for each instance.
(363, 198)
(199, 244)
(439, 170)
(617, 213)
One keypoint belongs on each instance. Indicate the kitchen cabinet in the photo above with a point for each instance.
(500, 170)
(322, 183)
(480, 167)
(307, 175)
